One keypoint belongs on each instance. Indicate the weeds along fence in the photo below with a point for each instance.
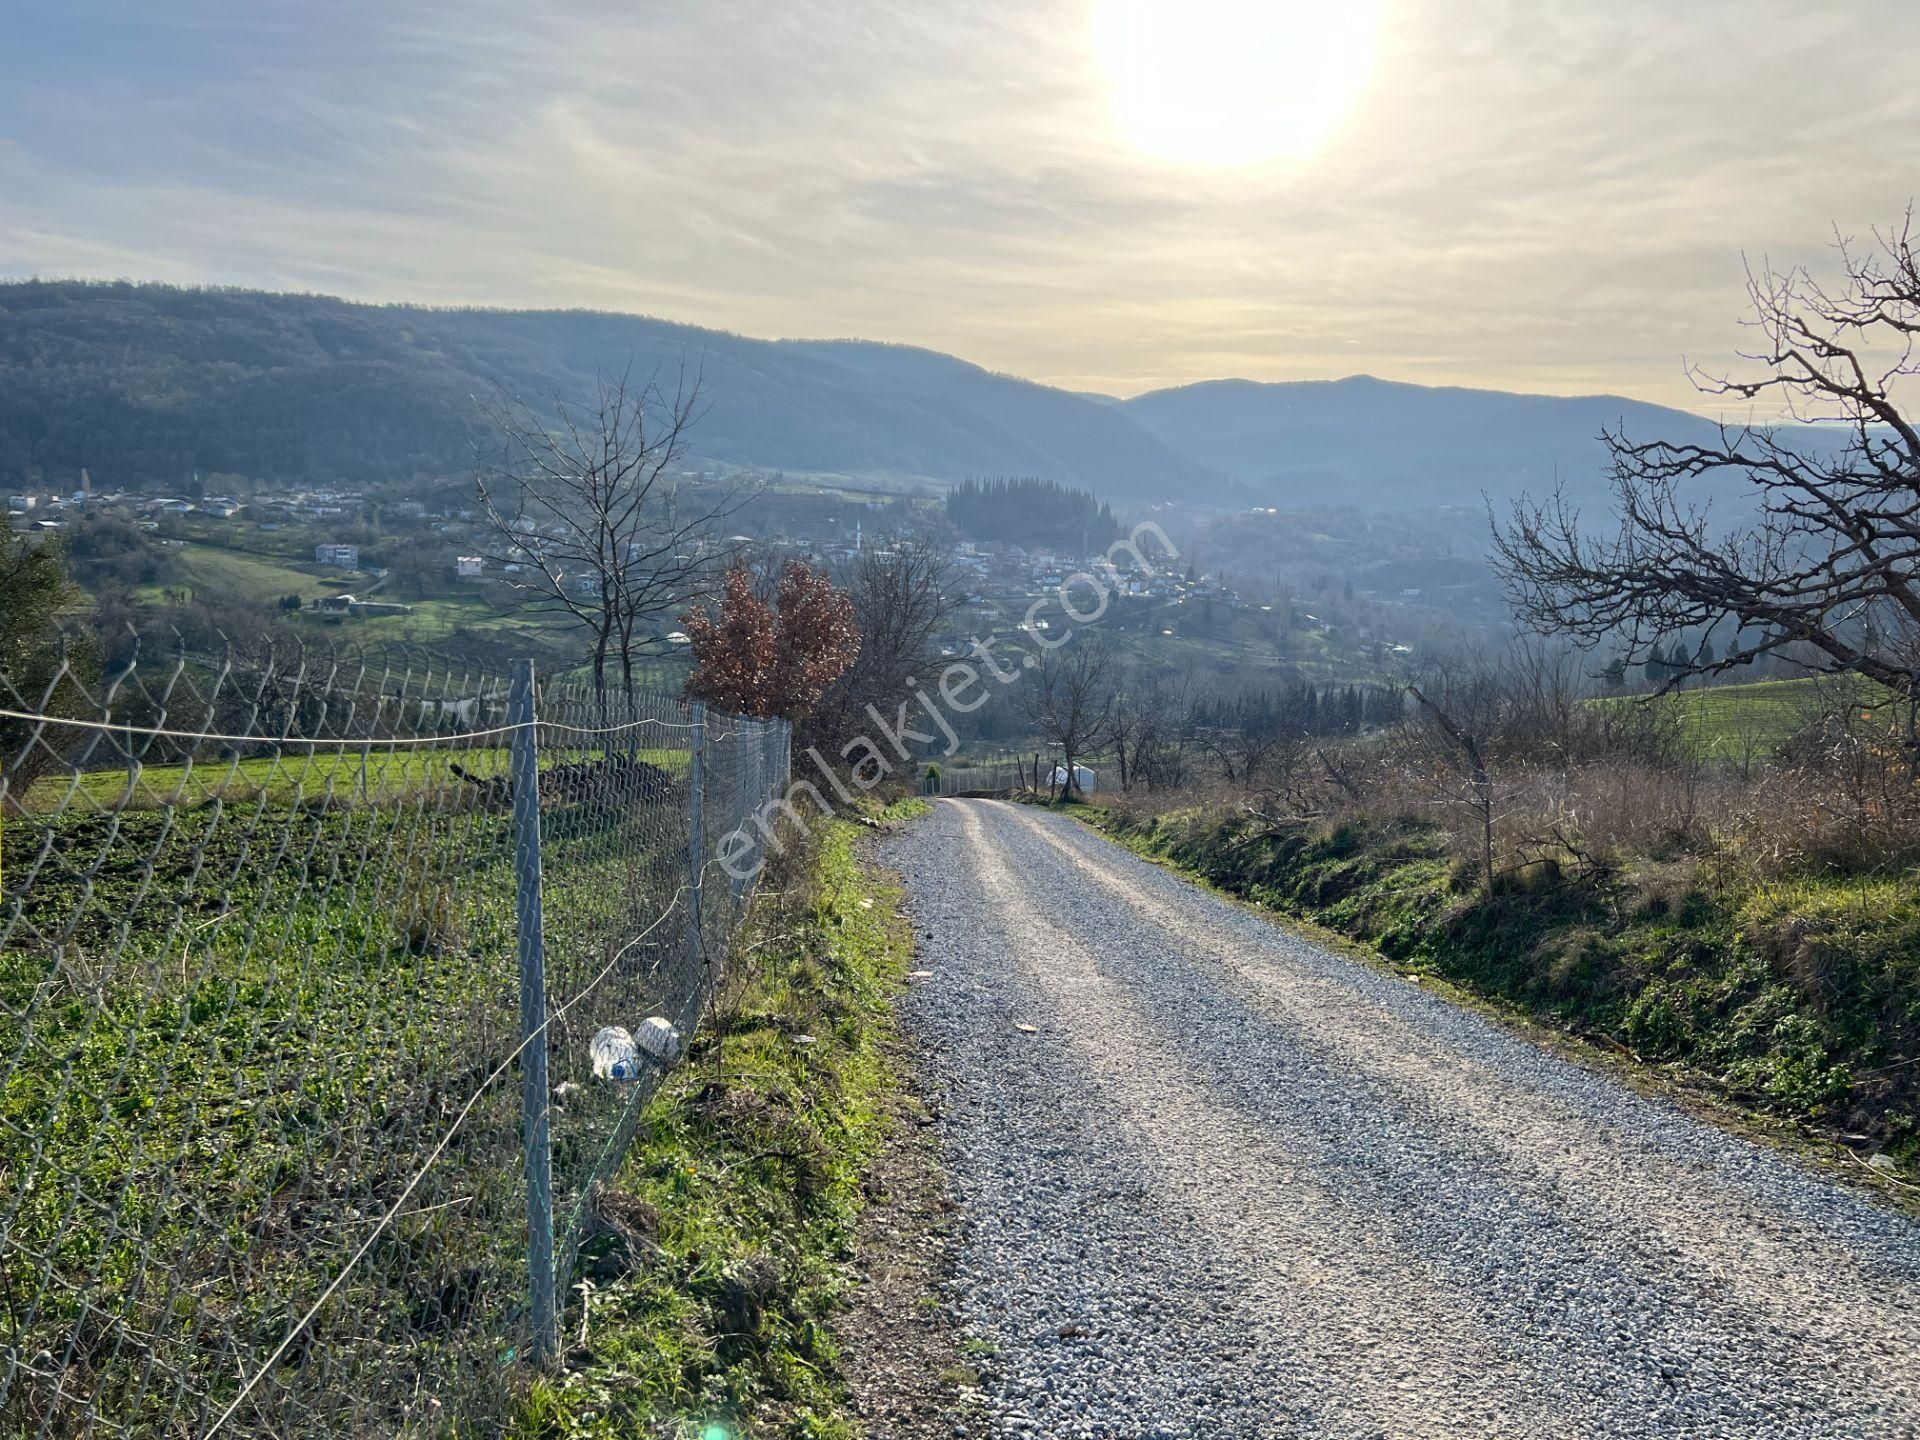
(299, 969)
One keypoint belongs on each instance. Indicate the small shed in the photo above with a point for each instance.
(1082, 778)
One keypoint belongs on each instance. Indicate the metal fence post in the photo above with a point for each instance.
(763, 766)
(696, 830)
(537, 1135)
(742, 798)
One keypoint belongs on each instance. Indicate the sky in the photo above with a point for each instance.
(1111, 195)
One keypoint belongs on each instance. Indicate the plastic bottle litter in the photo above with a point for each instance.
(660, 1040)
(614, 1055)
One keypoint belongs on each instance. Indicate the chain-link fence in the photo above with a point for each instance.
(300, 965)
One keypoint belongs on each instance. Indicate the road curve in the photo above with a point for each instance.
(1219, 1181)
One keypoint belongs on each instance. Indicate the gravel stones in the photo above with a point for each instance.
(1231, 1184)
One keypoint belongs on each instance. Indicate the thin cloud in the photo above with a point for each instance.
(1549, 195)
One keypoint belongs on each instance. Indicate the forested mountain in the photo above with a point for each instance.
(1386, 445)
(1068, 436)
(1032, 512)
(147, 383)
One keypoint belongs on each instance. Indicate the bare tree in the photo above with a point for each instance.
(589, 512)
(1069, 701)
(1153, 726)
(1134, 719)
(1245, 754)
(1829, 566)
(1499, 737)
(1547, 719)
(1461, 706)
(902, 594)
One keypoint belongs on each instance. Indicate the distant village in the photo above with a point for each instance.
(451, 549)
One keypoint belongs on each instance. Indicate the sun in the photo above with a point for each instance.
(1234, 82)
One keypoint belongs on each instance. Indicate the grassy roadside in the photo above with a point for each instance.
(1799, 1000)
(725, 1241)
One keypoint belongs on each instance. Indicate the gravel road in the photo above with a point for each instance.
(1218, 1181)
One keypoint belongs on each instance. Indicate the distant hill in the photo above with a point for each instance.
(1391, 446)
(148, 383)
(1048, 434)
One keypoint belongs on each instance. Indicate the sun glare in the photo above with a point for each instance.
(1234, 82)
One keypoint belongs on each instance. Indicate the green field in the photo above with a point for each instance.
(251, 578)
(264, 579)
(340, 777)
(1736, 722)
(234, 1033)
(430, 621)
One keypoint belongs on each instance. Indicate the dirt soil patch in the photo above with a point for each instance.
(898, 1341)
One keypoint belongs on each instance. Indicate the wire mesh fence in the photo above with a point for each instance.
(987, 777)
(299, 966)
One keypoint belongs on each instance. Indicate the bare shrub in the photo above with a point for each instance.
(1519, 770)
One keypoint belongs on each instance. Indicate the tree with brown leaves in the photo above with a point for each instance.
(758, 657)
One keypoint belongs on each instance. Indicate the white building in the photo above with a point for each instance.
(469, 567)
(347, 557)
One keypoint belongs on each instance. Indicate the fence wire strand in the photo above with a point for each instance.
(258, 986)
(990, 777)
